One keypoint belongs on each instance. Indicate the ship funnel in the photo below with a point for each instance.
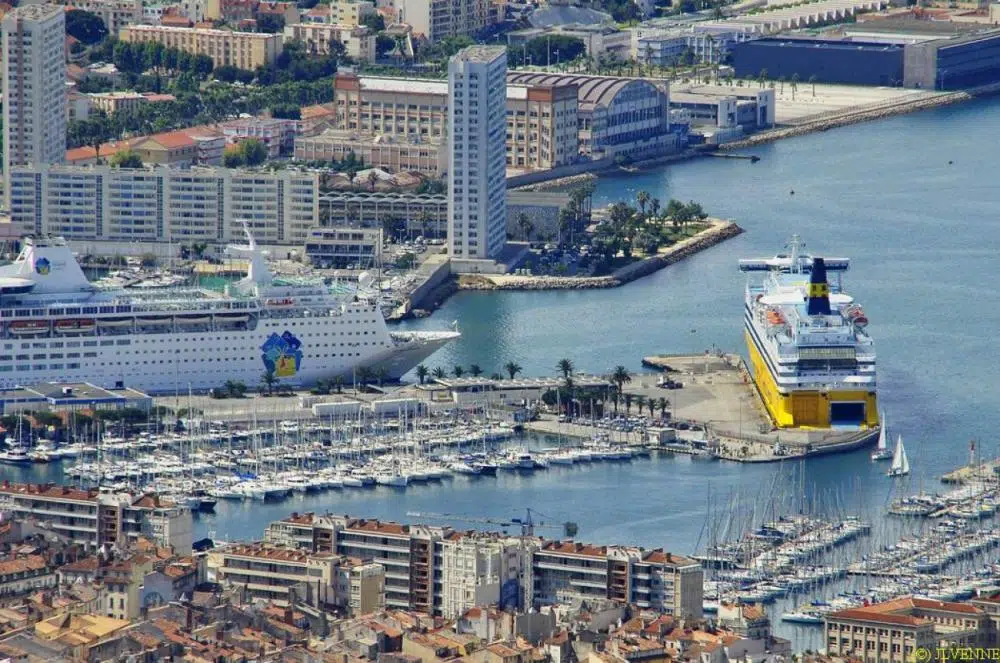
(818, 301)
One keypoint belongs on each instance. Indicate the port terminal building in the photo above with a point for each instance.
(894, 52)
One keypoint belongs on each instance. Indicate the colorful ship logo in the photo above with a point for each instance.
(42, 266)
(282, 354)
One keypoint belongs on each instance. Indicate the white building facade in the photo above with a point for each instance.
(91, 203)
(477, 209)
(34, 86)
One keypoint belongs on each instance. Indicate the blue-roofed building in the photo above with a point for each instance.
(553, 15)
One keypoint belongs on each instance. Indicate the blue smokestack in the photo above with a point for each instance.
(818, 302)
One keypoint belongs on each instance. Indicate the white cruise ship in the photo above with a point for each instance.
(56, 326)
(812, 357)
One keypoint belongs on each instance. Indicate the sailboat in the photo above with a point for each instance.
(900, 463)
(882, 451)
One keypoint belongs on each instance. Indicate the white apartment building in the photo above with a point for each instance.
(477, 209)
(479, 570)
(116, 14)
(437, 19)
(34, 85)
(163, 204)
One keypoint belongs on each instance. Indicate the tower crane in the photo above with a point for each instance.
(528, 524)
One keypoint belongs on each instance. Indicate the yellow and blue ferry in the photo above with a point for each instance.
(811, 355)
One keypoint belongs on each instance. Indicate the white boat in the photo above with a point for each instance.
(15, 456)
(900, 463)
(393, 479)
(802, 617)
(262, 323)
(882, 451)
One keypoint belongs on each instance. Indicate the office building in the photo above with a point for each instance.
(416, 109)
(100, 203)
(34, 86)
(892, 631)
(437, 19)
(395, 154)
(424, 214)
(358, 41)
(93, 519)
(343, 248)
(477, 210)
(541, 126)
(246, 50)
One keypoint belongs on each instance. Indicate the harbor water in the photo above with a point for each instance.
(912, 201)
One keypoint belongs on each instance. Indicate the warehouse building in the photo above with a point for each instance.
(953, 64)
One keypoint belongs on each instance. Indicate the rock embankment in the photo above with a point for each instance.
(718, 231)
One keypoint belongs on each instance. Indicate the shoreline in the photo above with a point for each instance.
(718, 231)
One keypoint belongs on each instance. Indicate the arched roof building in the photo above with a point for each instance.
(616, 116)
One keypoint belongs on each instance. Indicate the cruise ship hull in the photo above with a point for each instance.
(804, 408)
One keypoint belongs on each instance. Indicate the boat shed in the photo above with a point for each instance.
(71, 397)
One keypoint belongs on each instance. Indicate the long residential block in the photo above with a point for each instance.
(161, 204)
(246, 50)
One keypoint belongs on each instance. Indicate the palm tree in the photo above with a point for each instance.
(338, 383)
(651, 404)
(615, 397)
(619, 377)
(269, 379)
(565, 366)
(230, 387)
(458, 371)
(475, 370)
(363, 376)
(643, 198)
(496, 376)
(795, 85)
(628, 402)
(439, 373)
(422, 373)
(663, 403)
(512, 368)
(812, 80)
(381, 373)
(640, 402)
(525, 224)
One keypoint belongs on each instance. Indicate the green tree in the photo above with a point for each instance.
(643, 198)
(565, 366)
(381, 374)
(439, 373)
(86, 27)
(525, 225)
(126, 159)
(254, 152)
(640, 402)
(285, 111)
(663, 404)
(270, 23)
(458, 371)
(620, 377)
(475, 370)
(268, 379)
(512, 368)
(628, 402)
(374, 22)
(422, 373)
(812, 81)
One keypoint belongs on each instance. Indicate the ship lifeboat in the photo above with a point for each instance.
(193, 319)
(74, 326)
(775, 317)
(856, 315)
(114, 322)
(154, 320)
(279, 302)
(25, 327)
(231, 317)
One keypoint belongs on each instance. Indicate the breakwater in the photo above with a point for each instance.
(850, 116)
(718, 231)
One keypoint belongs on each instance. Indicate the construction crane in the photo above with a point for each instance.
(528, 524)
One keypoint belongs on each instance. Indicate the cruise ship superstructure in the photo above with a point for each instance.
(56, 326)
(812, 358)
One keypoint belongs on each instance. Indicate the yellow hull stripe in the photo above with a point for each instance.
(804, 408)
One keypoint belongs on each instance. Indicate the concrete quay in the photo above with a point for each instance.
(987, 471)
(719, 395)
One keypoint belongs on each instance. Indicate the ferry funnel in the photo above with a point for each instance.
(818, 302)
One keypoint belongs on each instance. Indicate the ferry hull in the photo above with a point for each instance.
(805, 408)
